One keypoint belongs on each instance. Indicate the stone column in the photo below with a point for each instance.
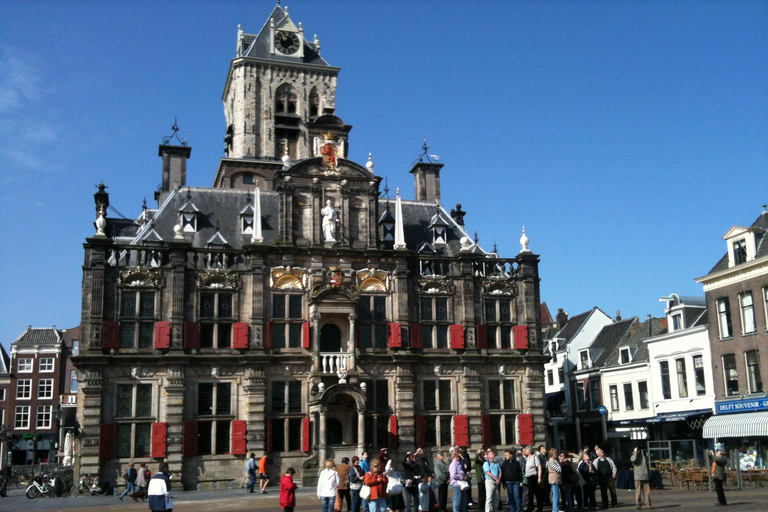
(405, 389)
(351, 343)
(255, 395)
(473, 405)
(321, 442)
(174, 417)
(315, 319)
(360, 431)
(91, 394)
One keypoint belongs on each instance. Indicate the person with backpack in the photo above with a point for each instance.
(251, 470)
(642, 478)
(606, 477)
(159, 494)
(130, 479)
(288, 490)
(718, 475)
(355, 477)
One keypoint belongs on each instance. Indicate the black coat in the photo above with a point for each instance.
(511, 471)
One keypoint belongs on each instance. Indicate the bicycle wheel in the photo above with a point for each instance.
(33, 492)
(16, 481)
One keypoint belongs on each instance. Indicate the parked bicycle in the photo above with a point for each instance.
(92, 486)
(43, 485)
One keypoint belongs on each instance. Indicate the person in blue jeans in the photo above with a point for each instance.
(456, 471)
(251, 468)
(512, 476)
(566, 472)
(130, 478)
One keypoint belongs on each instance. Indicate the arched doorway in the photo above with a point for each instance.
(330, 338)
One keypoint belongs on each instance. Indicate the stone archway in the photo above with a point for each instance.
(338, 406)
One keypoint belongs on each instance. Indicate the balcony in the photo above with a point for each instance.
(334, 362)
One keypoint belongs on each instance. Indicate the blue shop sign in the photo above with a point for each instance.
(746, 405)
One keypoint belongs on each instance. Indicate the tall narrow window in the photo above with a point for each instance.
(561, 375)
(739, 252)
(287, 320)
(75, 347)
(21, 418)
(724, 318)
(642, 390)
(137, 319)
(625, 356)
(372, 321)
(378, 413)
(134, 420)
(581, 404)
(286, 415)
(682, 378)
(73, 381)
(677, 322)
(216, 319)
(731, 375)
(214, 410)
(629, 401)
(584, 358)
(499, 319)
(614, 398)
(44, 416)
(666, 387)
(747, 313)
(698, 372)
(753, 372)
(594, 394)
(550, 377)
(765, 305)
(434, 322)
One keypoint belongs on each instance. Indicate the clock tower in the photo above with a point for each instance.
(277, 84)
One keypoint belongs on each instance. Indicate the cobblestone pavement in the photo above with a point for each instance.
(749, 500)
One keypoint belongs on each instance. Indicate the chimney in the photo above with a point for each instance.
(561, 318)
(618, 315)
(426, 177)
(174, 169)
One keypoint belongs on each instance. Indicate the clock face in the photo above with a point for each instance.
(287, 42)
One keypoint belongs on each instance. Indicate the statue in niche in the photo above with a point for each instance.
(330, 219)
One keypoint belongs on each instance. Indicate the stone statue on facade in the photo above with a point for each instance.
(330, 219)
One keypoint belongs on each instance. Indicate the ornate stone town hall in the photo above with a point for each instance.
(293, 307)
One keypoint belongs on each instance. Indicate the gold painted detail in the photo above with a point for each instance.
(140, 278)
(217, 279)
(288, 278)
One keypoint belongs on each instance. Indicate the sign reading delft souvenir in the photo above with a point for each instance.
(747, 405)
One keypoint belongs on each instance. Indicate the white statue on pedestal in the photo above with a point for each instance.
(330, 219)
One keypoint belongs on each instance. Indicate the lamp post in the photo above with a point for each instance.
(555, 421)
(57, 418)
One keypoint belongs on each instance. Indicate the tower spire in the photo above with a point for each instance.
(399, 231)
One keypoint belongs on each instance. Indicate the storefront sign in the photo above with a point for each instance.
(748, 405)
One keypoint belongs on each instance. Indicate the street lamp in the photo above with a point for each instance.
(56, 413)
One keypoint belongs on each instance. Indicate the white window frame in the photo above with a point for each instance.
(581, 405)
(700, 357)
(581, 359)
(73, 380)
(26, 365)
(631, 394)
(747, 314)
(640, 396)
(765, 306)
(21, 409)
(613, 392)
(44, 412)
(24, 384)
(724, 319)
(594, 393)
(677, 321)
(628, 352)
(748, 367)
(48, 383)
(46, 369)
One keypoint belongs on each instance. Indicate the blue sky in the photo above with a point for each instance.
(628, 137)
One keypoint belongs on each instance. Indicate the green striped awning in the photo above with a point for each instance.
(736, 425)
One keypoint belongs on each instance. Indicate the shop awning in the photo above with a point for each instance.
(736, 425)
(677, 416)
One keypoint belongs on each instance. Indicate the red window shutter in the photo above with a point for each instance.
(482, 336)
(457, 337)
(239, 441)
(107, 436)
(525, 428)
(162, 335)
(305, 335)
(269, 435)
(240, 335)
(189, 439)
(416, 336)
(110, 334)
(521, 337)
(191, 334)
(305, 433)
(394, 439)
(268, 343)
(486, 426)
(421, 428)
(159, 440)
(395, 335)
(461, 430)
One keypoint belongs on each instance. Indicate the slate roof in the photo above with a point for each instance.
(761, 241)
(39, 336)
(691, 300)
(222, 207)
(632, 338)
(546, 316)
(5, 361)
(574, 325)
(702, 320)
(260, 45)
(610, 337)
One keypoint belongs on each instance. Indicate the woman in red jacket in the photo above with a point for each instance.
(376, 480)
(288, 490)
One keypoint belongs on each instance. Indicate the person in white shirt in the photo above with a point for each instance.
(327, 483)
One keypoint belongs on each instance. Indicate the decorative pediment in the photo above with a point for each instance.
(288, 278)
(373, 280)
(498, 286)
(435, 284)
(140, 278)
(217, 280)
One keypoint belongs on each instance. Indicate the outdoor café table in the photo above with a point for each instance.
(625, 479)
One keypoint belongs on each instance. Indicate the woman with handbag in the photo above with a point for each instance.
(376, 482)
(411, 484)
(459, 483)
(355, 477)
(327, 483)
(587, 472)
(395, 500)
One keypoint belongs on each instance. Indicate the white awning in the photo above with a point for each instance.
(736, 425)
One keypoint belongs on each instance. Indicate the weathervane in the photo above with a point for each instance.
(167, 140)
(425, 157)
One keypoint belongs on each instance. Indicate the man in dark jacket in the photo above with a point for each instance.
(480, 477)
(442, 476)
(718, 475)
(159, 495)
(512, 475)
(522, 459)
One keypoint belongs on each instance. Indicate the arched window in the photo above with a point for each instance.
(314, 103)
(287, 121)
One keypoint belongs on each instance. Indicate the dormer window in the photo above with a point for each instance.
(387, 223)
(438, 227)
(584, 359)
(246, 220)
(189, 213)
(742, 244)
(677, 322)
(625, 356)
(739, 252)
(554, 352)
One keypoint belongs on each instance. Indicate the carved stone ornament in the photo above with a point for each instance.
(501, 369)
(288, 278)
(438, 369)
(330, 149)
(499, 286)
(140, 278)
(217, 279)
(434, 284)
(335, 282)
(373, 280)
